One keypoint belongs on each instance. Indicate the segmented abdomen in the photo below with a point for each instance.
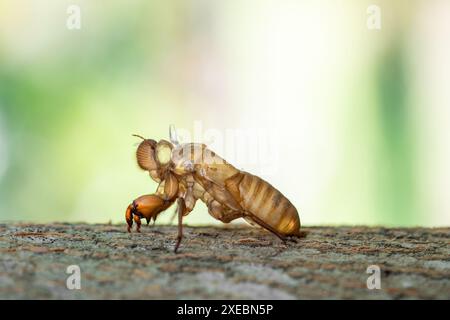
(263, 200)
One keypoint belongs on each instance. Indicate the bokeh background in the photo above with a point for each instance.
(354, 122)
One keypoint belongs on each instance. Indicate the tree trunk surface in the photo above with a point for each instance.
(232, 262)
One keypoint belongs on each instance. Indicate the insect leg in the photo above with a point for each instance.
(146, 206)
(221, 212)
(181, 209)
(129, 217)
(266, 226)
(138, 223)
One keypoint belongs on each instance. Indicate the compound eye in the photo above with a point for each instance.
(163, 153)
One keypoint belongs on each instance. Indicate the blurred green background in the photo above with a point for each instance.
(355, 121)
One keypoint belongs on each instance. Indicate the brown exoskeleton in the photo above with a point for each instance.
(188, 172)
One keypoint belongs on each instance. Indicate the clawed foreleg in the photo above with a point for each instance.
(148, 207)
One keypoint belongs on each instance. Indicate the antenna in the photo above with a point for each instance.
(136, 135)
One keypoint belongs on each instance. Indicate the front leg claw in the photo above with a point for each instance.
(132, 215)
(129, 217)
(148, 207)
(137, 219)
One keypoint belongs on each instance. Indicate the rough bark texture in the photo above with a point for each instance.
(221, 263)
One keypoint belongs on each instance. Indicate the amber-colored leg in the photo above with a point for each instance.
(181, 208)
(137, 220)
(267, 227)
(129, 217)
(146, 206)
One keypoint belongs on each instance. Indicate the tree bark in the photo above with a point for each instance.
(231, 262)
